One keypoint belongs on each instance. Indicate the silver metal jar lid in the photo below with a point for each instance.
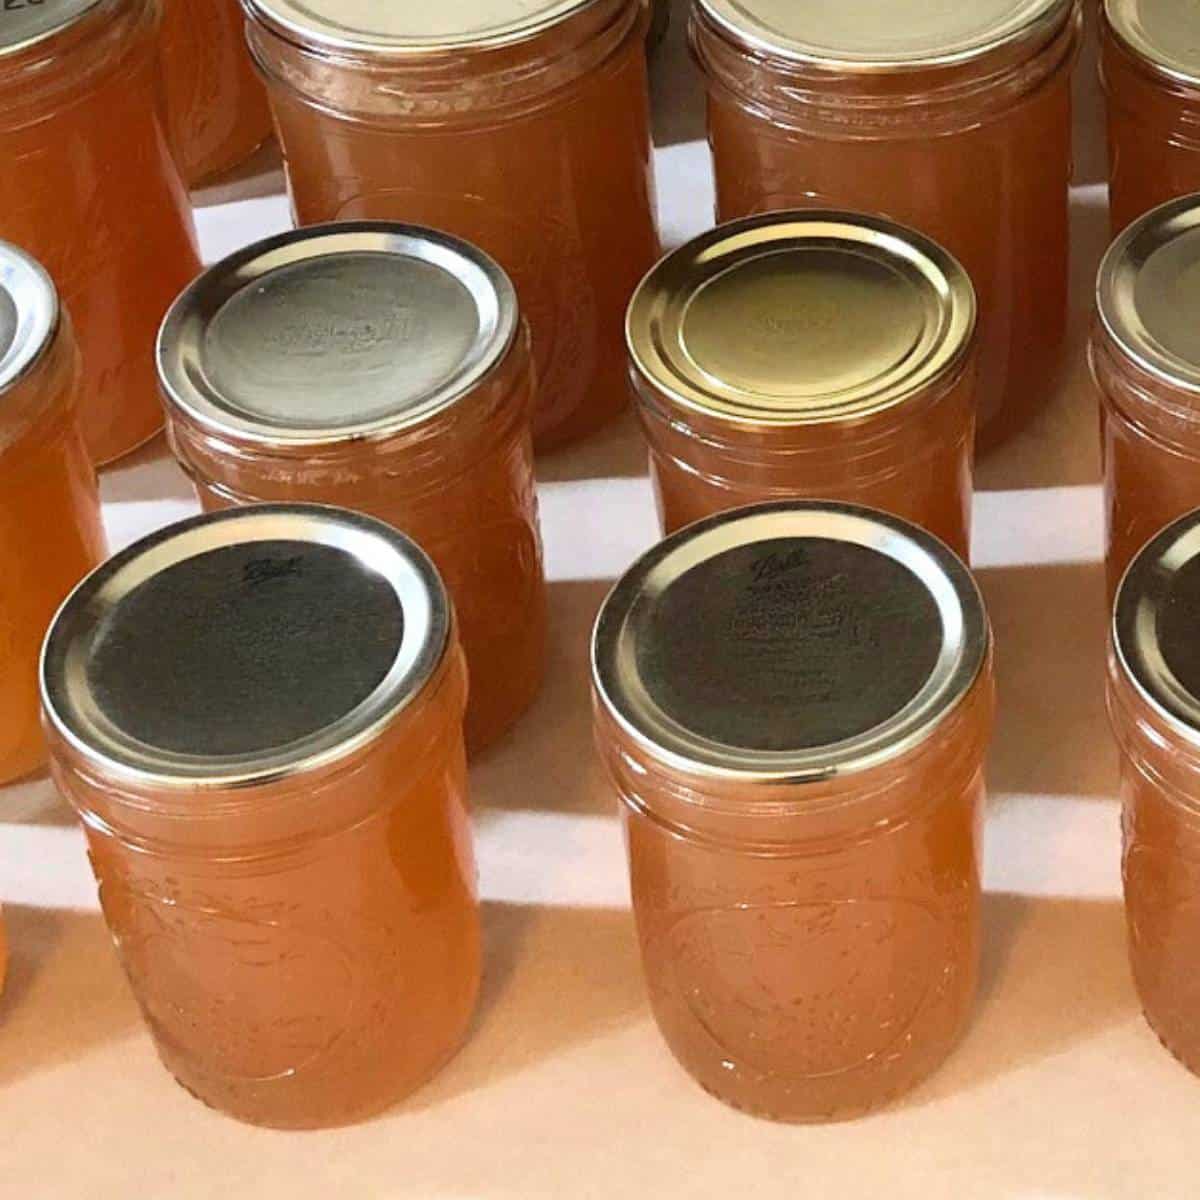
(1155, 622)
(368, 26)
(334, 333)
(29, 314)
(789, 642)
(1148, 293)
(237, 648)
(26, 22)
(883, 34)
(1166, 33)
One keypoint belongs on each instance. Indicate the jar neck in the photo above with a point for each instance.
(840, 104)
(41, 407)
(1136, 88)
(452, 88)
(806, 818)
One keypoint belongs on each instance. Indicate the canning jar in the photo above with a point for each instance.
(50, 530)
(520, 125)
(793, 702)
(383, 368)
(92, 191)
(808, 354)
(258, 717)
(1154, 705)
(1145, 356)
(954, 119)
(1151, 74)
(217, 113)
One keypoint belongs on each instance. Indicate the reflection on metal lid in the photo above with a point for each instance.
(28, 314)
(789, 641)
(28, 21)
(1164, 32)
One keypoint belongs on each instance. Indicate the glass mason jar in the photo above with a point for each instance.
(92, 191)
(282, 845)
(50, 530)
(793, 702)
(1154, 706)
(217, 113)
(1151, 74)
(521, 127)
(954, 119)
(1145, 357)
(808, 354)
(382, 368)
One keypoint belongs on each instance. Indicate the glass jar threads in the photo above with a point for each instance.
(521, 127)
(808, 354)
(793, 702)
(50, 530)
(258, 717)
(1151, 73)
(954, 119)
(217, 113)
(383, 368)
(91, 190)
(1154, 705)
(1145, 356)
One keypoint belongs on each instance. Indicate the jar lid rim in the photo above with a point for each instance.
(29, 314)
(1161, 32)
(24, 27)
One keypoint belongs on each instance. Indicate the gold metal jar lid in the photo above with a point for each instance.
(238, 648)
(789, 641)
(883, 34)
(800, 317)
(1166, 33)
(29, 314)
(335, 333)
(1155, 619)
(26, 22)
(1148, 293)
(375, 27)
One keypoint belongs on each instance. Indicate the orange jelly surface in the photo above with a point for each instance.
(537, 151)
(975, 154)
(91, 190)
(217, 113)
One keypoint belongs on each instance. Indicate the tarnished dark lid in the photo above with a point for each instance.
(29, 314)
(789, 641)
(235, 648)
(334, 333)
(26, 22)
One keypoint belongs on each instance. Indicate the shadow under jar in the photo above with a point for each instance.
(954, 119)
(813, 355)
(1154, 706)
(217, 112)
(1145, 358)
(522, 127)
(1151, 76)
(793, 702)
(258, 717)
(90, 188)
(50, 529)
(383, 368)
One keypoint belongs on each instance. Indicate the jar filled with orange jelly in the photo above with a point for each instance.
(217, 113)
(808, 354)
(383, 368)
(953, 118)
(1151, 74)
(1145, 356)
(793, 702)
(258, 717)
(50, 530)
(519, 125)
(91, 190)
(1154, 706)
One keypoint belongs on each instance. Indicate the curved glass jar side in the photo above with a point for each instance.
(978, 157)
(858, 896)
(94, 194)
(305, 952)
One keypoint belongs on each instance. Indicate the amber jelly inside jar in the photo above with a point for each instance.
(793, 702)
(808, 354)
(258, 717)
(384, 368)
